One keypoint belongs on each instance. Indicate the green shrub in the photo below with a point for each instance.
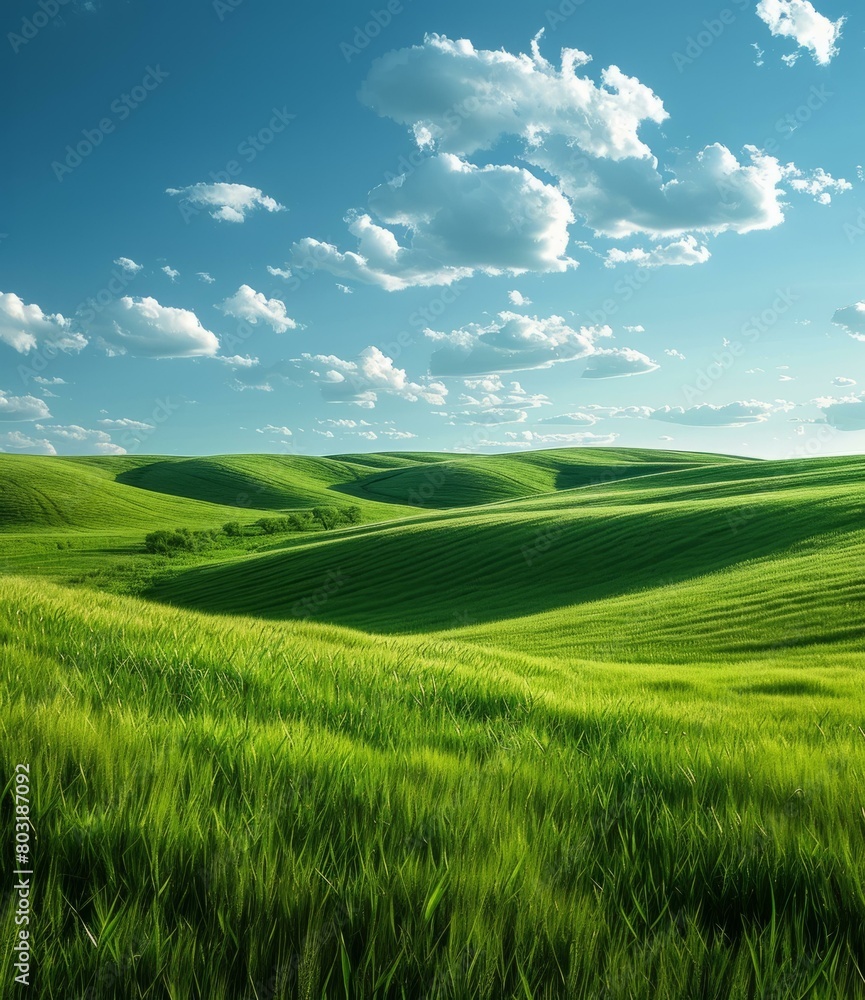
(234, 529)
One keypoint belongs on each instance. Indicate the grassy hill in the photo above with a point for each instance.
(669, 539)
(230, 808)
(571, 724)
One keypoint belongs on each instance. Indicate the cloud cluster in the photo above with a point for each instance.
(852, 319)
(25, 327)
(22, 407)
(361, 382)
(619, 362)
(737, 414)
(511, 342)
(249, 305)
(461, 99)
(460, 219)
(798, 19)
(18, 441)
(144, 328)
(227, 202)
(686, 251)
(844, 414)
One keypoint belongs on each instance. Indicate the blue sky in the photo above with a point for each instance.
(233, 227)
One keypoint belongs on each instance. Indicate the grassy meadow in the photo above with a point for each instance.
(579, 723)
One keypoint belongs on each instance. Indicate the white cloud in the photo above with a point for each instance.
(271, 429)
(228, 202)
(686, 251)
(238, 361)
(344, 289)
(511, 342)
(41, 380)
(845, 414)
(483, 418)
(360, 382)
(207, 278)
(842, 382)
(852, 319)
(170, 273)
(529, 439)
(128, 265)
(24, 327)
(673, 353)
(709, 191)
(518, 299)
(125, 424)
(635, 329)
(106, 448)
(396, 435)
(618, 363)
(577, 419)
(144, 328)
(737, 414)
(461, 219)
(460, 99)
(252, 306)
(74, 432)
(23, 407)
(23, 442)
(279, 272)
(798, 19)
(818, 184)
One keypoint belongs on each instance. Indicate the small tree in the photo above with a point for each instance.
(351, 515)
(327, 517)
(234, 529)
(300, 520)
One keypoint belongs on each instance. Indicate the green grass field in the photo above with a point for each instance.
(578, 723)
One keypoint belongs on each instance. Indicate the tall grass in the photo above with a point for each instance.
(227, 809)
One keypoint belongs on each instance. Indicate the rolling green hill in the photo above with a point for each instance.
(673, 540)
(566, 724)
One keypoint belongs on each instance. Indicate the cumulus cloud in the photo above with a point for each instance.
(518, 299)
(845, 414)
(818, 184)
(252, 306)
(511, 342)
(461, 218)
(207, 278)
(128, 265)
(100, 441)
(671, 352)
(24, 327)
(852, 319)
(360, 382)
(737, 414)
(170, 273)
(686, 251)
(144, 328)
(460, 99)
(22, 407)
(709, 191)
(491, 393)
(23, 442)
(843, 382)
(227, 202)
(798, 19)
(618, 363)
